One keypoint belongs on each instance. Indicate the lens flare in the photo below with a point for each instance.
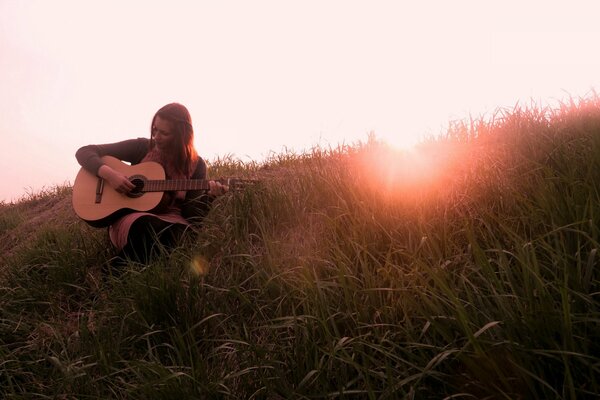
(199, 265)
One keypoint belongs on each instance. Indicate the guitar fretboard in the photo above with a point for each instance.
(174, 185)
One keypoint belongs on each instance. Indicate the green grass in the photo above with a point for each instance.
(465, 269)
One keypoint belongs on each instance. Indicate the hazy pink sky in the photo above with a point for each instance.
(262, 76)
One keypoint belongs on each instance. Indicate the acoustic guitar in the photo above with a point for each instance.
(99, 204)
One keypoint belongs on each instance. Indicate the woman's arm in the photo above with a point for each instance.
(133, 151)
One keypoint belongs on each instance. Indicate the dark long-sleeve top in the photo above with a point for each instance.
(196, 203)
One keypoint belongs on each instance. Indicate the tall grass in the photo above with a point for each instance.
(464, 269)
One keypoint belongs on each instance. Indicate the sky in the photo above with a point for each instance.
(265, 77)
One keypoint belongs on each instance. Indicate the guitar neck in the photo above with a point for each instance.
(175, 185)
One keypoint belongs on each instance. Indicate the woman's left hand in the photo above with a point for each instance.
(217, 188)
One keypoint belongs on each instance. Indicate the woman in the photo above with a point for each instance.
(171, 144)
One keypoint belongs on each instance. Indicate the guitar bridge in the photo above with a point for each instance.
(99, 190)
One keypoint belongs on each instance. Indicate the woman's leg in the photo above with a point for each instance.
(147, 235)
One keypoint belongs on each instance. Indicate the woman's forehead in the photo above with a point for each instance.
(162, 122)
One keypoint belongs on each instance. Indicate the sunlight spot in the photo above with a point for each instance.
(401, 143)
(409, 173)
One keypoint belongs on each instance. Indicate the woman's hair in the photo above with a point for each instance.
(185, 155)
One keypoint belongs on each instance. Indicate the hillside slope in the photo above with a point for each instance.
(465, 268)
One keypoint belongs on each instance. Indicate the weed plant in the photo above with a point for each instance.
(465, 268)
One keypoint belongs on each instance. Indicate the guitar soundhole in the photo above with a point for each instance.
(139, 182)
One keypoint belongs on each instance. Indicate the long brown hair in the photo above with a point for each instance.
(185, 156)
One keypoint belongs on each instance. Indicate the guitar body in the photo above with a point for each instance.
(98, 204)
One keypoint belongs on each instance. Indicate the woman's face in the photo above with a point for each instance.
(163, 133)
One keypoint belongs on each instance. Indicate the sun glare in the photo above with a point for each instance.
(407, 173)
(401, 143)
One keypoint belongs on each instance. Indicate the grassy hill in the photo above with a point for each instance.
(467, 268)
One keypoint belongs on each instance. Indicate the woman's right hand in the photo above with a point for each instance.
(115, 179)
